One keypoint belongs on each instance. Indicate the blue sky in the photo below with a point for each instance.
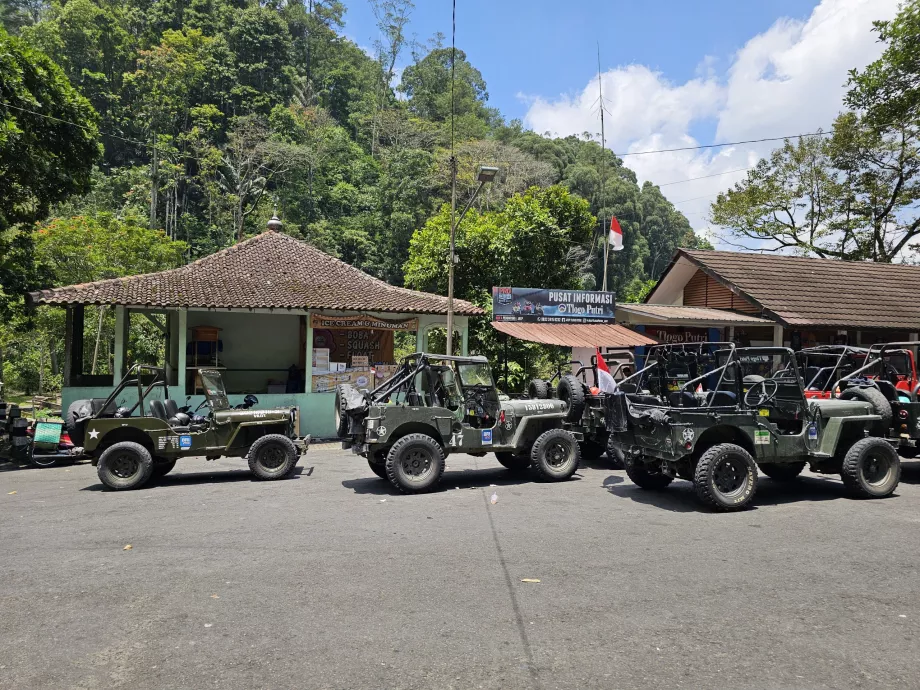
(675, 73)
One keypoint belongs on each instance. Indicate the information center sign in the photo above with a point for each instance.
(536, 305)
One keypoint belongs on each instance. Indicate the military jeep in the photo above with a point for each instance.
(750, 412)
(437, 404)
(129, 445)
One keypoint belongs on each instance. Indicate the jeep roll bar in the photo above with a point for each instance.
(159, 380)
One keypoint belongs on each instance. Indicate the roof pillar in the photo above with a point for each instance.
(122, 319)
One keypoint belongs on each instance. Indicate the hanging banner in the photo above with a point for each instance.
(536, 305)
(360, 321)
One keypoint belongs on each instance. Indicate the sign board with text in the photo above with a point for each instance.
(537, 305)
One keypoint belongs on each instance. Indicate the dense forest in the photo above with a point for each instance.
(142, 134)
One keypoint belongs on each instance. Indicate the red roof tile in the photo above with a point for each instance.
(271, 270)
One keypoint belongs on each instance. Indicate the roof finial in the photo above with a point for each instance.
(274, 224)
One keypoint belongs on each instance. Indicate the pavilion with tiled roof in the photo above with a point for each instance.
(257, 310)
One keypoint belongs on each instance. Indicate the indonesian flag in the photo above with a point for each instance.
(604, 378)
(616, 235)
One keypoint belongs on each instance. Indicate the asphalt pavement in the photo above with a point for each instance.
(332, 580)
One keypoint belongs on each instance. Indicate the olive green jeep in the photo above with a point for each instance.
(750, 412)
(435, 405)
(129, 445)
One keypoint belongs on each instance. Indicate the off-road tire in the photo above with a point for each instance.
(879, 402)
(379, 469)
(513, 462)
(415, 453)
(782, 471)
(341, 416)
(538, 389)
(162, 468)
(860, 476)
(712, 475)
(615, 454)
(272, 456)
(650, 480)
(123, 466)
(555, 455)
(591, 450)
(572, 392)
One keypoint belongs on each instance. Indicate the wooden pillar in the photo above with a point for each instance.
(465, 341)
(183, 344)
(421, 335)
(777, 335)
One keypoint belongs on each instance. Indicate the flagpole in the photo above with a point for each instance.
(602, 199)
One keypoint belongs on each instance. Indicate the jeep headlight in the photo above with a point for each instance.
(371, 424)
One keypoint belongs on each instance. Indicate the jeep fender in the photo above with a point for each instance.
(839, 428)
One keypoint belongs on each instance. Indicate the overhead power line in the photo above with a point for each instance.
(705, 177)
(727, 143)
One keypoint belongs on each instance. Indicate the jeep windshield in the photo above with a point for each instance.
(214, 389)
(475, 374)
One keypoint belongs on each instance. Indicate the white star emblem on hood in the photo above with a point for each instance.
(93, 434)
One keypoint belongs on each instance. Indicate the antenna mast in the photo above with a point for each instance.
(602, 197)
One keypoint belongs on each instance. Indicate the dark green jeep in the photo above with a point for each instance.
(750, 411)
(129, 445)
(435, 405)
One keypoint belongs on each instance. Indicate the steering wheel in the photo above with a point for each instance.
(769, 389)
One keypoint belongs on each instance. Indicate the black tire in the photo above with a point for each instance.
(162, 468)
(647, 477)
(78, 411)
(46, 461)
(124, 466)
(415, 463)
(879, 402)
(782, 471)
(272, 456)
(378, 468)
(515, 463)
(615, 454)
(591, 450)
(538, 389)
(726, 477)
(572, 392)
(341, 416)
(871, 468)
(555, 455)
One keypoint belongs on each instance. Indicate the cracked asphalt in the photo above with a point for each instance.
(332, 580)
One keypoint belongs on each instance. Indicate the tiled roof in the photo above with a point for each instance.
(271, 270)
(695, 314)
(574, 335)
(820, 292)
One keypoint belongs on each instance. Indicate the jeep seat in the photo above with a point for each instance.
(175, 418)
(158, 409)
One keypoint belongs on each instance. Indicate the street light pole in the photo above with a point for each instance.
(486, 174)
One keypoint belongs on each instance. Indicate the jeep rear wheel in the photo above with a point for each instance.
(726, 477)
(272, 457)
(339, 411)
(555, 455)
(572, 392)
(415, 463)
(871, 468)
(647, 476)
(513, 462)
(538, 389)
(378, 468)
(124, 466)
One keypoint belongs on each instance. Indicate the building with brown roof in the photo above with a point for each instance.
(773, 299)
(280, 318)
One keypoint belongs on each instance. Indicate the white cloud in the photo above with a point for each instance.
(787, 80)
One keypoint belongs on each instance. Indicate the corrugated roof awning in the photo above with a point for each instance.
(572, 335)
(679, 314)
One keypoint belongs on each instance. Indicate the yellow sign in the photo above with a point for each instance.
(362, 322)
(764, 413)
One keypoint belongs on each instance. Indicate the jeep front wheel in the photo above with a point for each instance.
(272, 457)
(871, 468)
(513, 462)
(555, 455)
(726, 477)
(124, 466)
(415, 463)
